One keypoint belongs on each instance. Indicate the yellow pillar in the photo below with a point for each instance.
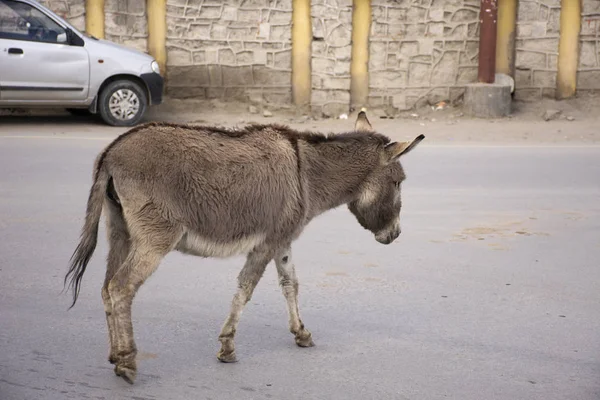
(94, 18)
(156, 11)
(505, 40)
(568, 48)
(301, 52)
(359, 68)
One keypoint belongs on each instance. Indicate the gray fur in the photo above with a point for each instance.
(215, 192)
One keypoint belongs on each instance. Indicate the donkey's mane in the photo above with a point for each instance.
(292, 134)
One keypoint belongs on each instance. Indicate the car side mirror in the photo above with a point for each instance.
(73, 39)
(61, 37)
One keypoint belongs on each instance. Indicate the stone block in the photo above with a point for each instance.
(388, 79)
(465, 15)
(209, 11)
(467, 75)
(265, 76)
(339, 36)
(416, 14)
(199, 31)
(237, 76)
(227, 57)
(215, 93)
(528, 95)
(280, 17)
(379, 29)
(415, 30)
(549, 93)
(444, 72)
(245, 57)
(487, 100)
(218, 31)
(281, 33)
(278, 98)
(215, 75)
(588, 79)
(522, 78)
(419, 74)
(396, 14)
(229, 13)
(436, 14)
(323, 65)
(587, 54)
(199, 57)
(396, 31)
(317, 82)
(544, 79)
(342, 68)
(530, 59)
(548, 44)
(409, 49)
(237, 93)
(435, 29)
(193, 75)
(186, 92)
(426, 46)
(528, 10)
(283, 59)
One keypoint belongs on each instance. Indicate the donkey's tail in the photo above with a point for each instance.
(89, 234)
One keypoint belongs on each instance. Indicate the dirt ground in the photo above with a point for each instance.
(577, 123)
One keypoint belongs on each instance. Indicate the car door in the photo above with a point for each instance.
(37, 62)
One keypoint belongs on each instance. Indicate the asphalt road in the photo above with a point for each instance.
(491, 292)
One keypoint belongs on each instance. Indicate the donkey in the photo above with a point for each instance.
(215, 192)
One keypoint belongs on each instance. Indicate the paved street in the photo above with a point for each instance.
(491, 291)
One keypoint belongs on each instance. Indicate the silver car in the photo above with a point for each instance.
(46, 62)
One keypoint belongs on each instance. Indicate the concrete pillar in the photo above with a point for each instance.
(301, 52)
(359, 68)
(156, 11)
(568, 48)
(94, 18)
(505, 41)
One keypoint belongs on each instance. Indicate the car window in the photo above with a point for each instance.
(21, 21)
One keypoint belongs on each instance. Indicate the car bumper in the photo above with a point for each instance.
(155, 84)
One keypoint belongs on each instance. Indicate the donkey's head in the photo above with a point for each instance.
(377, 206)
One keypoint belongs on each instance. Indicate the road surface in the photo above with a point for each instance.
(491, 291)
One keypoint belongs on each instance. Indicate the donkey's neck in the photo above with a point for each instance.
(335, 171)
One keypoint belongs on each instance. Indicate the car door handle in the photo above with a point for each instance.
(14, 50)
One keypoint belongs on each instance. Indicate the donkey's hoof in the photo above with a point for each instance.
(305, 340)
(127, 373)
(227, 357)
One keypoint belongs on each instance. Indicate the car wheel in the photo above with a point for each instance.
(122, 103)
(79, 112)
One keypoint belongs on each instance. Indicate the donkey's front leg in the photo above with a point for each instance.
(289, 286)
(247, 280)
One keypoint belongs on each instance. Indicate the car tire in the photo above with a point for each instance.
(122, 103)
(79, 112)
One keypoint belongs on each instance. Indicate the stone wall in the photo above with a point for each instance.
(235, 49)
(422, 51)
(331, 53)
(588, 76)
(125, 23)
(71, 10)
(538, 28)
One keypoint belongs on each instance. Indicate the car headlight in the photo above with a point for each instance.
(155, 67)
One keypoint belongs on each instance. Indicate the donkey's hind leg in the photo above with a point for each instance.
(152, 237)
(118, 240)
(289, 286)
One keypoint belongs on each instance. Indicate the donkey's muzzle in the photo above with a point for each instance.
(388, 236)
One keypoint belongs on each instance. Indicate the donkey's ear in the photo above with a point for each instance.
(396, 149)
(362, 122)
